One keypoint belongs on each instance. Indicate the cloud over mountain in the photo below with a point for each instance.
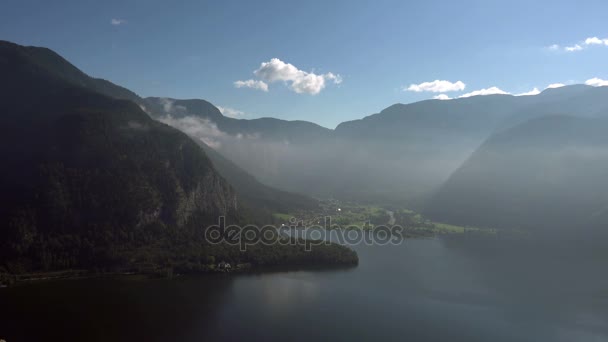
(231, 112)
(437, 86)
(441, 97)
(596, 82)
(203, 129)
(534, 91)
(487, 91)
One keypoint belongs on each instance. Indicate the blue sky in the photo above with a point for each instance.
(375, 49)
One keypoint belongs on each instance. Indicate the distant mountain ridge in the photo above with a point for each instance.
(266, 128)
(47, 60)
(402, 154)
(546, 174)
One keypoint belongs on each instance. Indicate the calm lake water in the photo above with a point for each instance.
(422, 290)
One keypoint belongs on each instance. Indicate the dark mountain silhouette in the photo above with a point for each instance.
(85, 175)
(39, 60)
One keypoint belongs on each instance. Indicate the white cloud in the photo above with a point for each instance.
(200, 128)
(555, 85)
(231, 112)
(203, 129)
(441, 97)
(170, 107)
(534, 91)
(337, 79)
(253, 84)
(597, 82)
(437, 86)
(581, 45)
(117, 22)
(596, 41)
(298, 80)
(488, 91)
(573, 48)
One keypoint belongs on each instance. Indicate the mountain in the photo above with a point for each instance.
(289, 155)
(403, 152)
(547, 173)
(407, 150)
(413, 149)
(85, 175)
(208, 127)
(41, 60)
(92, 181)
(406, 154)
(255, 194)
(268, 129)
(401, 155)
(260, 197)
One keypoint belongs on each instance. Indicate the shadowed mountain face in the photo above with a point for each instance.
(83, 172)
(546, 173)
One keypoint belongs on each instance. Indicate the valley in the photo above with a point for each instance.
(336, 214)
(303, 171)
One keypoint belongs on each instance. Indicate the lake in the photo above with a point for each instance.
(421, 290)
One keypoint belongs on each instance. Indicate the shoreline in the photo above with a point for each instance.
(80, 274)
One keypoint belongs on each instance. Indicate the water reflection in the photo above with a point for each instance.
(422, 290)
